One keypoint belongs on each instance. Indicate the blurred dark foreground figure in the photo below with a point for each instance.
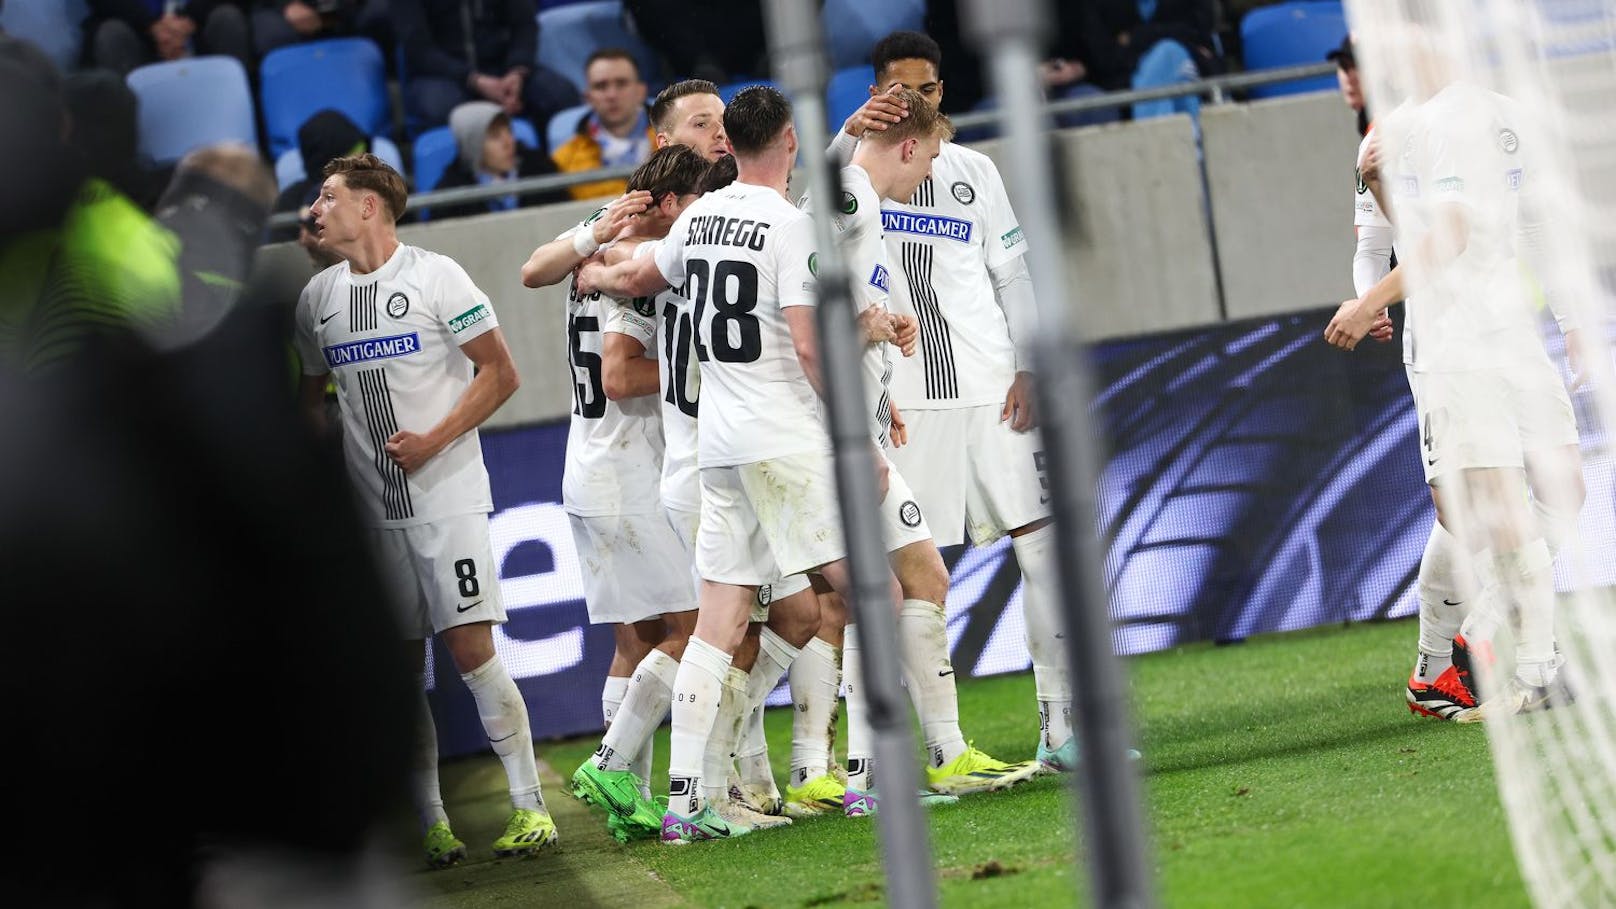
(205, 702)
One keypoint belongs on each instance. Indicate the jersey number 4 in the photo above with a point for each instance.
(589, 401)
(732, 289)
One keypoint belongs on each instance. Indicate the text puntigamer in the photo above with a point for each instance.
(716, 230)
(372, 349)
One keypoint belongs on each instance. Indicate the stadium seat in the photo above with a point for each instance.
(569, 34)
(1288, 34)
(289, 164)
(435, 150)
(562, 125)
(858, 24)
(53, 26)
(846, 92)
(300, 80)
(186, 104)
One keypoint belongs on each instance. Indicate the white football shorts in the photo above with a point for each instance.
(634, 567)
(969, 469)
(768, 519)
(441, 574)
(902, 521)
(686, 523)
(1490, 418)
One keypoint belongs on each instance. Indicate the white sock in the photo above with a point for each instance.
(1045, 629)
(815, 679)
(775, 657)
(697, 690)
(428, 796)
(923, 645)
(650, 692)
(1528, 575)
(504, 716)
(719, 757)
(1442, 607)
(860, 739)
(611, 697)
(1489, 609)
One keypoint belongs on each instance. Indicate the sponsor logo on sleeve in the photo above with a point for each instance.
(469, 318)
(903, 222)
(878, 278)
(963, 192)
(398, 305)
(1450, 185)
(372, 349)
(1011, 237)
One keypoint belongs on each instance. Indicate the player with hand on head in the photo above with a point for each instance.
(419, 363)
(891, 164)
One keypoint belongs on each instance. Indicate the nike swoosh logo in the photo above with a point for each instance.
(942, 673)
(1447, 602)
(329, 318)
(500, 739)
(468, 608)
(1430, 462)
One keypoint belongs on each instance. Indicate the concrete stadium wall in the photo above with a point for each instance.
(1137, 248)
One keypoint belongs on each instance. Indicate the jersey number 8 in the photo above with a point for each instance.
(733, 291)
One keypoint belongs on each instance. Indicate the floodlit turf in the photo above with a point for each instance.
(1285, 771)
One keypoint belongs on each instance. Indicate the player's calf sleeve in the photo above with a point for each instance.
(1442, 604)
(775, 657)
(697, 690)
(1041, 607)
(860, 740)
(1528, 574)
(611, 697)
(645, 704)
(1558, 525)
(719, 755)
(923, 645)
(424, 775)
(504, 715)
(815, 679)
(1490, 608)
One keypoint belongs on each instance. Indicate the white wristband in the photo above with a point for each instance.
(583, 243)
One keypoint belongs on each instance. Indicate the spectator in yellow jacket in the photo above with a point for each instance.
(616, 130)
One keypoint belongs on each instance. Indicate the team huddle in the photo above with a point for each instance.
(698, 478)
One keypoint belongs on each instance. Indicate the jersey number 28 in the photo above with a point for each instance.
(732, 289)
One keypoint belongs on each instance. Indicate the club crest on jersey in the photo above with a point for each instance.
(372, 349)
(813, 264)
(849, 203)
(398, 305)
(765, 594)
(645, 306)
(469, 318)
(1362, 186)
(903, 222)
(963, 192)
(878, 278)
(1508, 141)
(909, 514)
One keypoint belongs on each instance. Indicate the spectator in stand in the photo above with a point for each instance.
(277, 23)
(326, 135)
(125, 34)
(1067, 73)
(717, 40)
(1150, 43)
(464, 50)
(489, 153)
(616, 131)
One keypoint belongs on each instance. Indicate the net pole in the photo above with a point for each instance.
(796, 47)
(1008, 34)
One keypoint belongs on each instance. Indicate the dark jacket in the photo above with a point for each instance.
(1095, 26)
(326, 135)
(138, 13)
(530, 162)
(451, 39)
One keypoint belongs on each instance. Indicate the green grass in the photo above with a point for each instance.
(1281, 772)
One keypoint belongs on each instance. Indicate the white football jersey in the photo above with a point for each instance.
(391, 341)
(1463, 151)
(741, 255)
(614, 448)
(680, 384)
(942, 243)
(858, 231)
(1365, 209)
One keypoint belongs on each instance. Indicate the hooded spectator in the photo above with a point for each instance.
(489, 153)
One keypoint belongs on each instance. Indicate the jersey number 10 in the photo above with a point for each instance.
(733, 291)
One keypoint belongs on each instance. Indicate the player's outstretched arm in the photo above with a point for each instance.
(552, 262)
(625, 371)
(635, 278)
(495, 382)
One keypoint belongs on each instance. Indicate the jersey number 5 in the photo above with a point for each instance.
(589, 401)
(733, 291)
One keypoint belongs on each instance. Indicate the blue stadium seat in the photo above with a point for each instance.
(51, 25)
(853, 26)
(435, 150)
(569, 34)
(289, 164)
(300, 80)
(1287, 34)
(846, 92)
(186, 104)
(563, 123)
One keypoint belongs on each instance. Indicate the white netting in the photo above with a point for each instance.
(1544, 156)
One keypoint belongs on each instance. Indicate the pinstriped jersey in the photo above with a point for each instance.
(391, 341)
(958, 225)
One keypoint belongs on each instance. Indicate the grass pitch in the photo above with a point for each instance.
(1285, 771)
